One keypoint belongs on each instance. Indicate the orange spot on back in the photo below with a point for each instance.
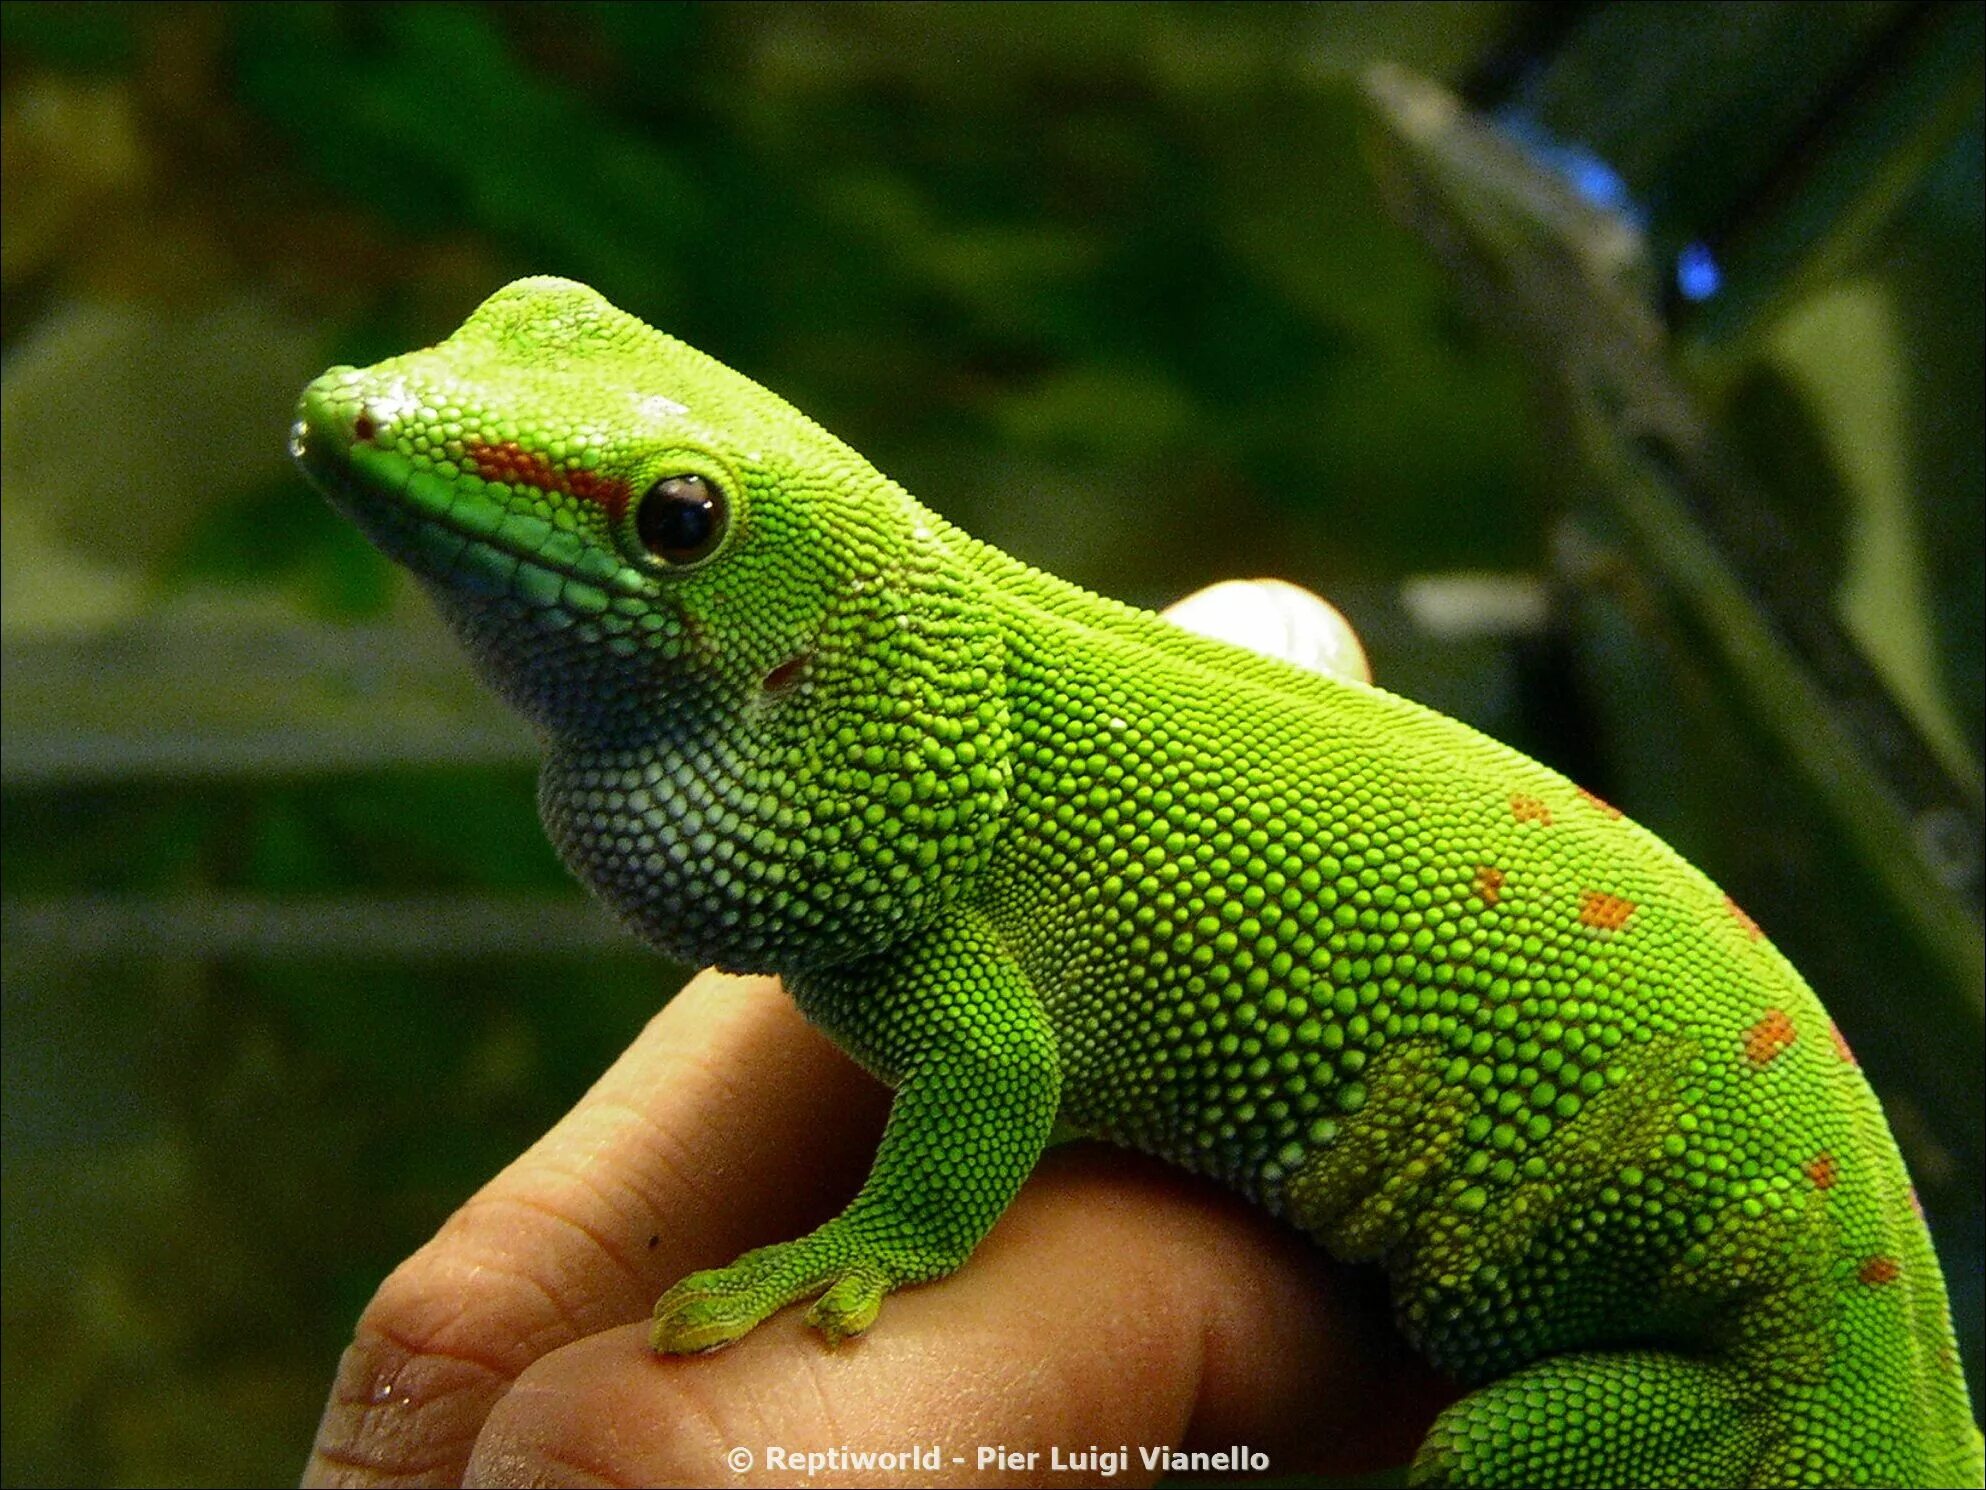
(1821, 1170)
(1878, 1269)
(1530, 809)
(1602, 911)
(1841, 1043)
(1489, 884)
(1745, 922)
(1599, 802)
(1769, 1038)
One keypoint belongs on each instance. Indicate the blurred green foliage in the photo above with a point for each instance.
(1108, 284)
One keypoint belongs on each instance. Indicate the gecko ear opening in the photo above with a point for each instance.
(682, 519)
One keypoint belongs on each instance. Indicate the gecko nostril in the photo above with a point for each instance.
(364, 427)
(786, 674)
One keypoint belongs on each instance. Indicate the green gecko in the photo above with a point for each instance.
(1047, 863)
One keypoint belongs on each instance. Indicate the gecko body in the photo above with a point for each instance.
(1038, 858)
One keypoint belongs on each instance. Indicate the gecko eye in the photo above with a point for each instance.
(681, 519)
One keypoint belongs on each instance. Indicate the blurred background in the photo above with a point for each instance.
(1616, 368)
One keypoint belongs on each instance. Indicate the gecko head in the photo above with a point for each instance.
(612, 520)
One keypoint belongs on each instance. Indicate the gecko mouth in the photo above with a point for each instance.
(419, 519)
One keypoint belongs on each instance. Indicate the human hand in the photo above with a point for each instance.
(1116, 1303)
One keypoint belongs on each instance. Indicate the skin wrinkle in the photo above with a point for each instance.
(539, 1459)
(597, 1125)
(399, 1474)
(522, 1272)
(1148, 1355)
(824, 1401)
(368, 1420)
(421, 1344)
(697, 1181)
(1032, 1232)
(1213, 1378)
(384, 1421)
(1213, 1349)
(711, 1190)
(692, 1394)
(418, 1344)
(688, 1182)
(728, 1089)
(664, 1150)
(634, 1274)
(566, 1472)
(717, 1247)
(381, 1465)
(1191, 1379)
(412, 1359)
(593, 1308)
(403, 1472)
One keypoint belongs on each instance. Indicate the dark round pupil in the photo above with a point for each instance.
(681, 518)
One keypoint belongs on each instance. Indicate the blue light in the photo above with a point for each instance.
(1579, 167)
(1697, 274)
(1594, 179)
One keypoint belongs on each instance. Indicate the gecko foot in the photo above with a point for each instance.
(708, 1310)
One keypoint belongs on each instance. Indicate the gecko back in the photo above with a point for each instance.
(1452, 1014)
